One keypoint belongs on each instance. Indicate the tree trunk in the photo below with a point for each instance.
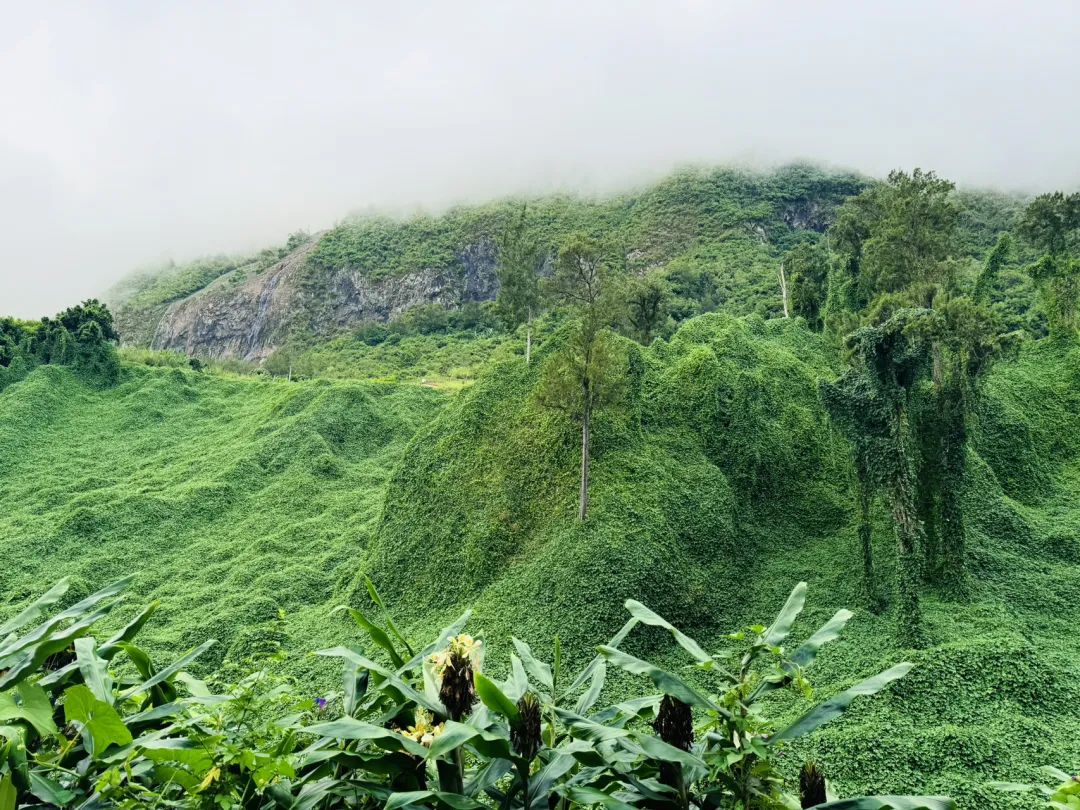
(784, 290)
(866, 500)
(528, 341)
(908, 545)
(584, 505)
(954, 467)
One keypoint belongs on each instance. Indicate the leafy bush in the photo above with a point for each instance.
(427, 727)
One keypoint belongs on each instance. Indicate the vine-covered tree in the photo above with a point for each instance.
(584, 374)
(519, 260)
(1051, 223)
(807, 266)
(647, 300)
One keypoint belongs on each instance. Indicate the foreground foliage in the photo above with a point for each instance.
(425, 727)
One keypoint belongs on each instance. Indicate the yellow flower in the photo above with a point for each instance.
(212, 776)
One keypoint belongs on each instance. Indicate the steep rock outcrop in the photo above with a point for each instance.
(249, 316)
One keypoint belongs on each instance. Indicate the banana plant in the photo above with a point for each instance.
(730, 758)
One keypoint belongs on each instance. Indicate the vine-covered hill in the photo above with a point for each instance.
(717, 484)
(722, 231)
(230, 498)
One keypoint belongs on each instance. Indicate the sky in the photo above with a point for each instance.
(134, 131)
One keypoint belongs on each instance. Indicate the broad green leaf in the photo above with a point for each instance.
(590, 796)
(666, 682)
(487, 776)
(36, 609)
(808, 650)
(454, 735)
(646, 616)
(16, 754)
(386, 614)
(349, 728)
(655, 748)
(168, 671)
(439, 643)
(583, 728)
(32, 705)
(518, 682)
(352, 683)
(628, 710)
(775, 635)
(30, 657)
(111, 647)
(492, 697)
(79, 608)
(454, 800)
(540, 783)
(615, 641)
(893, 802)
(391, 677)
(100, 721)
(95, 670)
(830, 631)
(8, 794)
(377, 634)
(49, 791)
(592, 694)
(835, 706)
(538, 670)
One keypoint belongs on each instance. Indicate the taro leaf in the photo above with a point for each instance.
(111, 647)
(538, 670)
(666, 682)
(95, 670)
(592, 694)
(349, 728)
(492, 697)
(33, 707)
(835, 706)
(101, 724)
(49, 791)
(27, 657)
(454, 735)
(615, 641)
(780, 628)
(36, 608)
(894, 802)
(454, 800)
(591, 796)
(389, 675)
(165, 674)
(378, 635)
(646, 616)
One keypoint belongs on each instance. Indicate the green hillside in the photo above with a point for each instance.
(232, 498)
(717, 485)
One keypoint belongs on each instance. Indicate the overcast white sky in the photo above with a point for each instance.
(132, 131)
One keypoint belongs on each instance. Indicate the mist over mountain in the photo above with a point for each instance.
(137, 133)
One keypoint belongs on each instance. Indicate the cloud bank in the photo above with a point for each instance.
(134, 131)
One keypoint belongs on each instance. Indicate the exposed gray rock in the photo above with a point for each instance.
(250, 318)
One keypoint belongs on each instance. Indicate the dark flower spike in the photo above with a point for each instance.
(811, 785)
(458, 693)
(674, 723)
(525, 736)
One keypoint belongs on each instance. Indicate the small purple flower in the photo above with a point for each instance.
(320, 704)
(1076, 778)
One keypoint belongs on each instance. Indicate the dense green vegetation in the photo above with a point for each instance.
(909, 444)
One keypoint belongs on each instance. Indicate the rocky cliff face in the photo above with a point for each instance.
(248, 316)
